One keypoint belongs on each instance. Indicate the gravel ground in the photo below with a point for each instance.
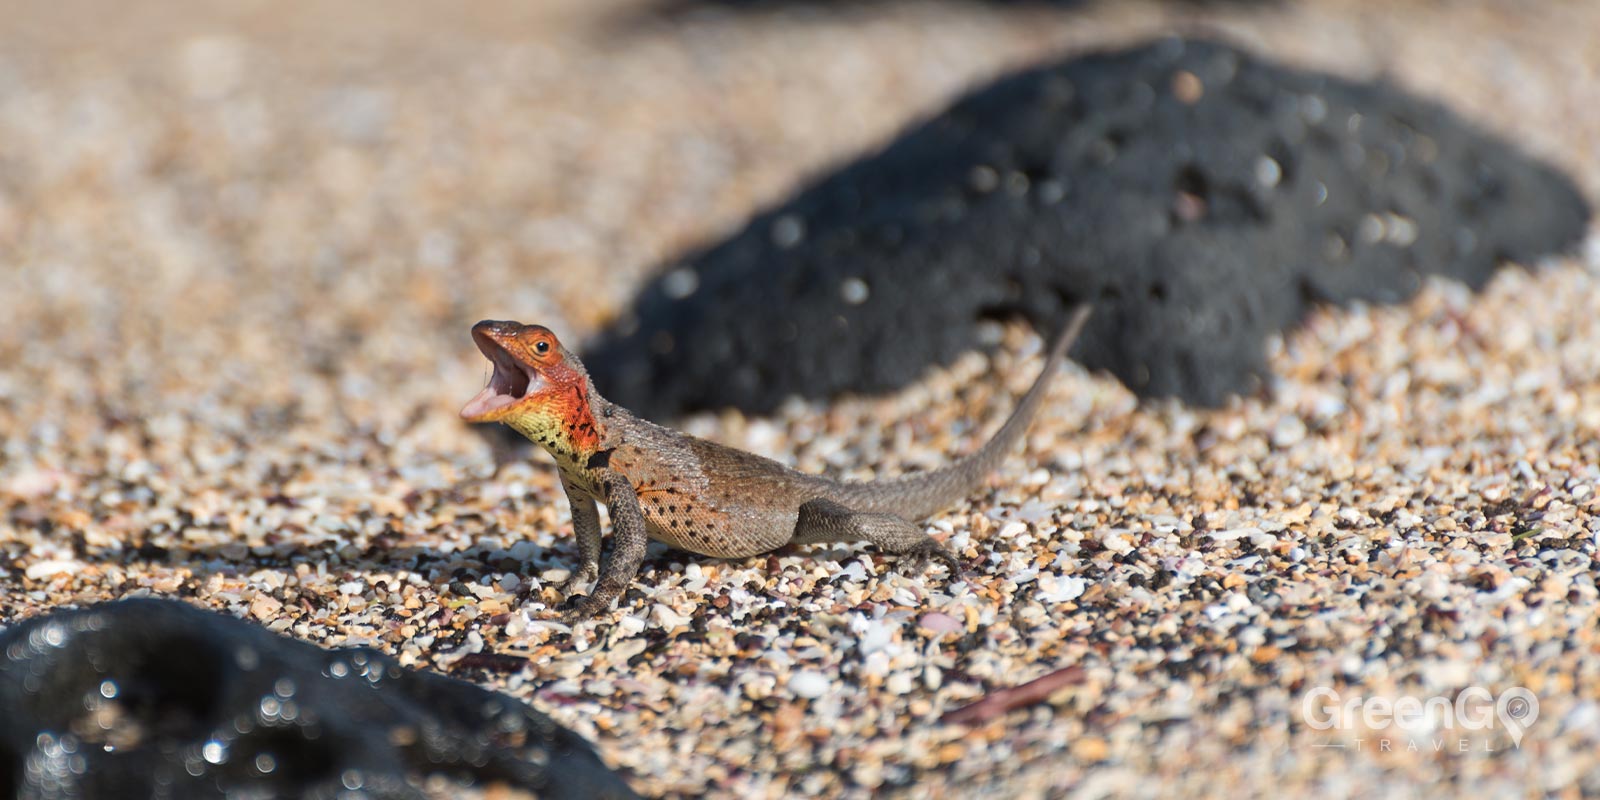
(241, 252)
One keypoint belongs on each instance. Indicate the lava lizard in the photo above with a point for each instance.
(698, 495)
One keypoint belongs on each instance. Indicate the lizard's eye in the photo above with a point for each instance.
(541, 347)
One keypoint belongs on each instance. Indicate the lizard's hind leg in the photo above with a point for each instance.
(824, 520)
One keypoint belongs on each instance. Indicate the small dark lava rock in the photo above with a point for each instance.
(690, 9)
(1201, 198)
(154, 698)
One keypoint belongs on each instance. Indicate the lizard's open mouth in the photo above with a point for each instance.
(511, 382)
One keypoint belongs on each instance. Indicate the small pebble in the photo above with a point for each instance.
(808, 684)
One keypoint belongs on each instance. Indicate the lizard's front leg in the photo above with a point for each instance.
(628, 540)
(586, 525)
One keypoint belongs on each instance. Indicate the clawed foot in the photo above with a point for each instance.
(580, 581)
(576, 590)
(915, 561)
(578, 608)
(582, 607)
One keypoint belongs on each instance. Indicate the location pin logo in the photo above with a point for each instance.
(1517, 709)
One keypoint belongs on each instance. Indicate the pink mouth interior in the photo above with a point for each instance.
(509, 383)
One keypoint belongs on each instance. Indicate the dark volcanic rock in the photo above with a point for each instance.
(689, 9)
(152, 698)
(1201, 198)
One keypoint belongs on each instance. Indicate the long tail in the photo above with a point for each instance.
(924, 494)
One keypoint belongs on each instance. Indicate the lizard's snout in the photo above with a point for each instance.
(498, 331)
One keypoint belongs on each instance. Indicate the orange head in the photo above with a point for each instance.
(536, 384)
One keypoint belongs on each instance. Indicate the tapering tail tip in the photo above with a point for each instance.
(1068, 335)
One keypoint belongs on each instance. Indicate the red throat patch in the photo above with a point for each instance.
(578, 426)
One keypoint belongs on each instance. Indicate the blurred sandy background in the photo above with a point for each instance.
(240, 246)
